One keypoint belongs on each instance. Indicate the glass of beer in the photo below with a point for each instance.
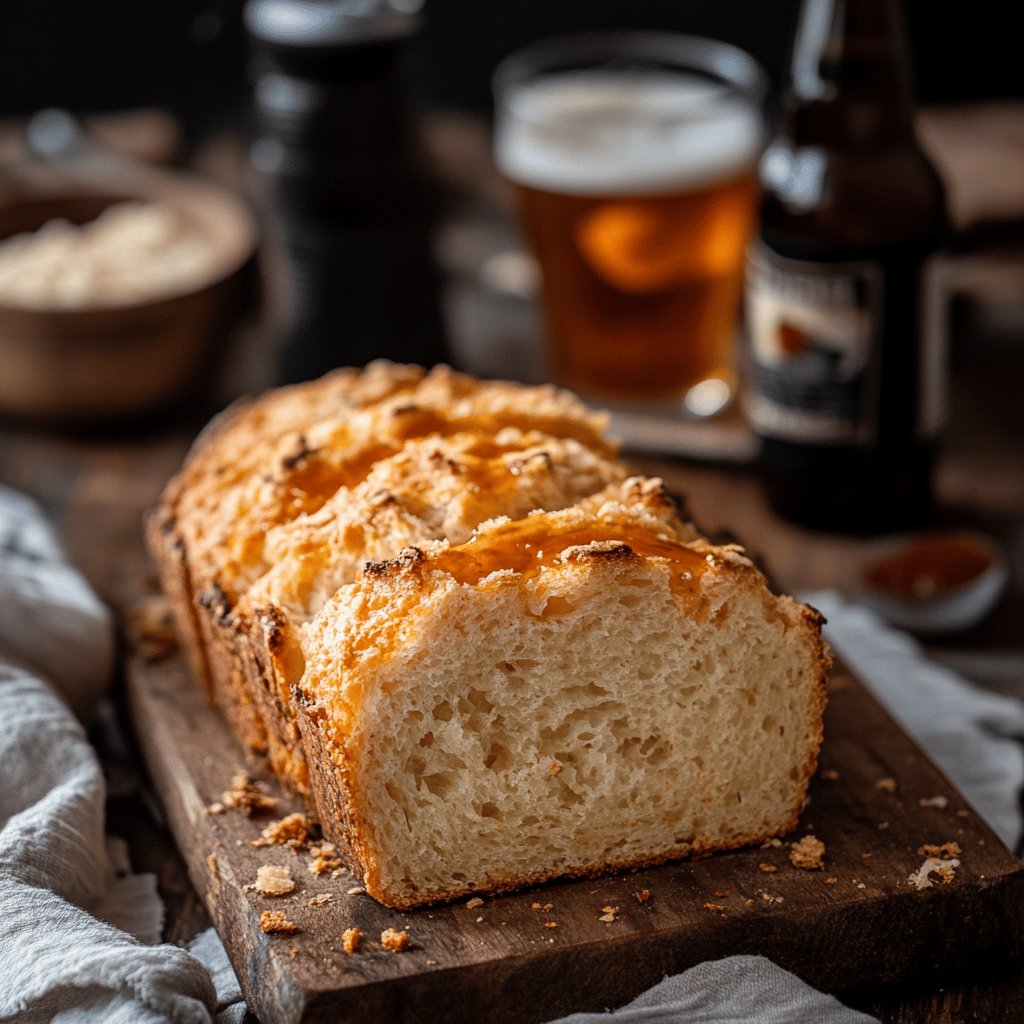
(634, 157)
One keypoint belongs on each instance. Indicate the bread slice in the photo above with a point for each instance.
(564, 694)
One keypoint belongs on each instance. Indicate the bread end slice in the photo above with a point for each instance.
(564, 695)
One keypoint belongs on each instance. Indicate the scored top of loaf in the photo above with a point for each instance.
(287, 454)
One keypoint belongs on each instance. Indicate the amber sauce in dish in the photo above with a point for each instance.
(929, 567)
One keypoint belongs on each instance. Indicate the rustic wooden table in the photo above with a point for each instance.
(96, 488)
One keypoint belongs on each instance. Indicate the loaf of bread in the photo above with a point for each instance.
(486, 655)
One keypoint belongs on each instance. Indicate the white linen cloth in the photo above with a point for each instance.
(77, 931)
(61, 957)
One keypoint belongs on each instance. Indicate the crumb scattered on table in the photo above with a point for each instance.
(717, 908)
(831, 880)
(475, 902)
(608, 914)
(292, 830)
(939, 802)
(357, 890)
(550, 924)
(351, 937)
(319, 901)
(273, 922)
(247, 796)
(944, 851)
(394, 940)
(324, 860)
(274, 880)
(830, 775)
(943, 868)
(808, 854)
(768, 869)
(151, 627)
(886, 785)
(643, 896)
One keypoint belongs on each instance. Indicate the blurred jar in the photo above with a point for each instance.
(351, 204)
(634, 155)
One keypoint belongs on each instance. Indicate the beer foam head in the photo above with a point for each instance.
(610, 133)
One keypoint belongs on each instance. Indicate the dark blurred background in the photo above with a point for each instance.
(189, 55)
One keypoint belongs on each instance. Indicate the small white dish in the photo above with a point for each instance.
(930, 583)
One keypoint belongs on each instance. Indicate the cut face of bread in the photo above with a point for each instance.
(565, 694)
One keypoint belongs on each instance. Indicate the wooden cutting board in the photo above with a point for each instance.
(546, 952)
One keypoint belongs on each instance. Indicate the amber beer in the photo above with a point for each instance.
(638, 195)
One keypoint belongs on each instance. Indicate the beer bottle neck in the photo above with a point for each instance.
(851, 70)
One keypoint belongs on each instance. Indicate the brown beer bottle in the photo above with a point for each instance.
(845, 358)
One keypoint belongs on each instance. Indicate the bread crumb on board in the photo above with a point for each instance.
(808, 854)
(475, 902)
(830, 775)
(939, 802)
(324, 860)
(943, 868)
(643, 896)
(357, 890)
(150, 627)
(351, 937)
(319, 901)
(944, 851)
(886, 785)
(768, 869)
(273, 922)
(394, 940)
(274, 880)
(608, 914)
(247, 797)
(292, 830)
(716, 908)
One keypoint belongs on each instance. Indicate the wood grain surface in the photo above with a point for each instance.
(856, 924)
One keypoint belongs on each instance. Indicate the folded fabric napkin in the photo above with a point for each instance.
(61, 957)
(77, 943)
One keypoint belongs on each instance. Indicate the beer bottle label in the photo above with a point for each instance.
(814, 336)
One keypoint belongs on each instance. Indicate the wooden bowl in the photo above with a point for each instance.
(104, 362)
